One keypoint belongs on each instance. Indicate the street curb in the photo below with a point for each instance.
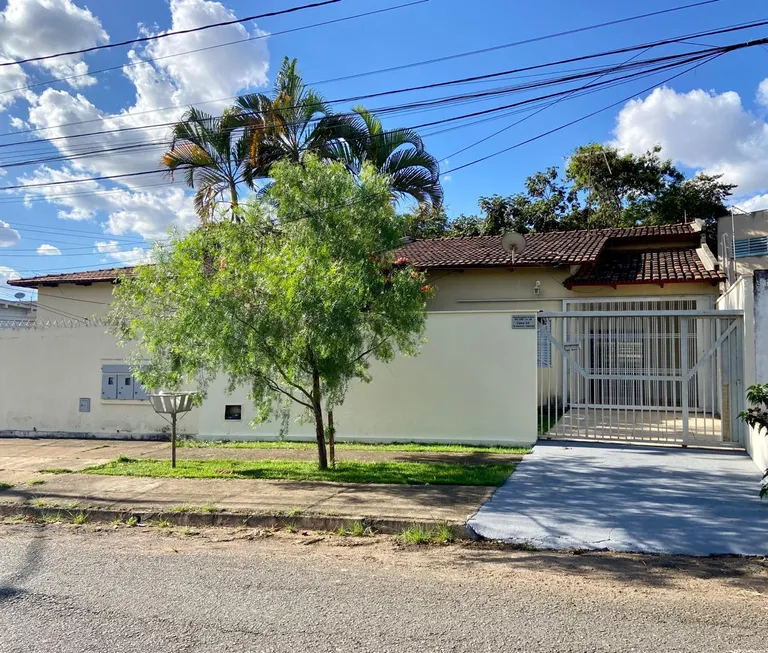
(382, 525)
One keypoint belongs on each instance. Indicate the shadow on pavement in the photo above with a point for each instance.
(12, 580)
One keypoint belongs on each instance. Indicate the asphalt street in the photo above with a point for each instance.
(71, 589)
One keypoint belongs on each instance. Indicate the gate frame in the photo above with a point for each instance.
(730, 423)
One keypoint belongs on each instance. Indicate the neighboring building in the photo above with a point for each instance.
(475, 380)
(742, 240)
(13, 313)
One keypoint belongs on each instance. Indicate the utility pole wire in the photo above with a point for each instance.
(155, 37)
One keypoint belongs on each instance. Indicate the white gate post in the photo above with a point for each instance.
(684, 370)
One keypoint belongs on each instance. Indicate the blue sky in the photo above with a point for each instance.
(711, 120)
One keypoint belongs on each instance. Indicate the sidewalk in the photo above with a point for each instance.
(250, 497)
(21, 462)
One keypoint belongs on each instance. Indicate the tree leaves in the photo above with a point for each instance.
(301, 287)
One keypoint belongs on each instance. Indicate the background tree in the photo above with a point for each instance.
(622, 190)
(425, 221)
(213, 157)
(602, 188)
(295, 314)
(465, 225)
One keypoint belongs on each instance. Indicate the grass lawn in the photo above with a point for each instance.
(402, 473)
(357, 446)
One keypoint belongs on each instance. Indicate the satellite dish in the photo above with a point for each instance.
(20, 295)
(513, 243)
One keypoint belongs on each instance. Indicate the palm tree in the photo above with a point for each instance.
(214, 157)
(399, 153)
(295, 120)
(219, 154)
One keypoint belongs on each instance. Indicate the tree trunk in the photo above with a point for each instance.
(322, 456)
(233, 196)
(331, 439)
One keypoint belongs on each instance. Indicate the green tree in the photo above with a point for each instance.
(548, 204)
(626, 190)
(360, 138)
(465, 225)
(295, 314)
(213, 157)
(498, 215)
(425, 221)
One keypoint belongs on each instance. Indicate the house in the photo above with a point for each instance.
(13, 313)
(743, 243)
(588, 334)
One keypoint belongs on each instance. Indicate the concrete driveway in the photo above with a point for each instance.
(21, 459)
(628, 498)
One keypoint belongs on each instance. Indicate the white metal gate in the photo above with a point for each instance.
(667, 376)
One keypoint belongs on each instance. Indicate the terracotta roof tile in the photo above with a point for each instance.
(552, 248)
(663, 230)
(486, 251)
(87, 276)
(636, 266)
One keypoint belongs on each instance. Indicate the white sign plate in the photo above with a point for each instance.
(523, 321)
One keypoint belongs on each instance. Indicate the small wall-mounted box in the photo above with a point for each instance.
(85, 405)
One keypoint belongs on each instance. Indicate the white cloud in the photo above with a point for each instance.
(211, 74)
(762, 93)
(18, 123)
(11, 79)
(8, 235)
(48, 250)
(754, 203)
(705, 131)
(447, 179)
(148, 213)
(172, 82)
(33, 28)
(131, 256)
(6, 274)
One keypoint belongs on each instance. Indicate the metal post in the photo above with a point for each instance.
(173, 440)
(684, 370)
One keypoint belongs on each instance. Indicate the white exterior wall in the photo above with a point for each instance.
(473, 382)
(45, 372)
(69, 300)
(742, 296)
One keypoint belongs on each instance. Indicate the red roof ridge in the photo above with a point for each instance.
(81, 276)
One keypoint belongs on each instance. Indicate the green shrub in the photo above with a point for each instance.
(757, 417)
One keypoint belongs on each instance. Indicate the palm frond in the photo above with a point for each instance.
(419, 184)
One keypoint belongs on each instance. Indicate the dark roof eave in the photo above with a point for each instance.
(648, 282)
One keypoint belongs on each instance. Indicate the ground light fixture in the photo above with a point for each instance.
(173, 404)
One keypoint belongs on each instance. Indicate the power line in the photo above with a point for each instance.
(258, 37)
(155, 37)
(577, 120)
(463, 80)
(531, 115)
(738, 26)
(535, 39)
(689, 57)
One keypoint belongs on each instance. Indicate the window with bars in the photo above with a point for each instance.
(750, 247)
